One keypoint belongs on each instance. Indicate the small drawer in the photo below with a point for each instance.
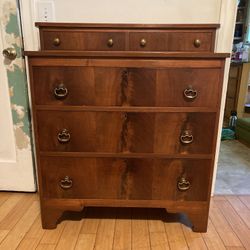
(118, 178)
(148, 41)
(126, 132)
(141, 87)
(172, 41)
(191, 41)
(82, 40)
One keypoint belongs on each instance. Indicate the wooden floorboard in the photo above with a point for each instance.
(123, 228)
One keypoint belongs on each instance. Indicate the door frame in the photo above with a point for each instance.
(17, 169)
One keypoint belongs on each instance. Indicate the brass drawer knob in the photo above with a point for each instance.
(197, 43)
(63, 136)
(190, 93)
(183, 184)
(110, 42)
(66, 183)
(60, 91)
(56, 41)
(143, 42)
(186, 137)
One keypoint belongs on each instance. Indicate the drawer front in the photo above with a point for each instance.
(114, 178)
(126, 132)
(101, 86)
(171, 41)
(181, 40)
(82, 40)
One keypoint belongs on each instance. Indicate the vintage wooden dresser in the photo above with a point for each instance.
(125, 115)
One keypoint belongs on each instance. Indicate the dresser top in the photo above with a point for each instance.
(125, 26)
(127, 54)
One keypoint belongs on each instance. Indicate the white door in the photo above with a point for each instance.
(16, 163)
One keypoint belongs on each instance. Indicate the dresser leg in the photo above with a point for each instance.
(50, 217)
(199, 221)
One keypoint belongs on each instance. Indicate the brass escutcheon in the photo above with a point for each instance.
(63, 136)
(66, 183)
(186, 137)
(183, 184)
(60, 91)
(190, 93)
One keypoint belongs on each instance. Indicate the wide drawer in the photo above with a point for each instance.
(115, 86)
(126, 132)
(114, 178)
(82, 40)
(171, 41)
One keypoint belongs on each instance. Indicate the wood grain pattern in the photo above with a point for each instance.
(14, 237)
(99, 86)
(136, 179)
(33, 236)
(126, 25)
(158, 37)
(212, 238)
(106, 229)
(239, 227)
(83, 40)
(223, 228)
(171, 41)
(140, 232)
(123, 229)
(92, 132)
(117, 138)
(69, 235)
(128, 54)
(157, 237)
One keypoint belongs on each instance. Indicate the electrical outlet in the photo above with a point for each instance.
(45, 11)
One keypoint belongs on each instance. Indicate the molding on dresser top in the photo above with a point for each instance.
(127, 54)
(126, 25)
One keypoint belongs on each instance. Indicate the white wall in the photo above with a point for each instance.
(118, 11)
(142, 11)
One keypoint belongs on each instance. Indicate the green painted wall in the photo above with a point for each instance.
(16, 75)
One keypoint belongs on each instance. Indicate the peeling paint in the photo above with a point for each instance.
(12, 25)
(16, 76)
(22, 140)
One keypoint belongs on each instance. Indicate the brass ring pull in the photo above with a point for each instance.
(190, 93)
(56, 41)
(143, 42)
(60, 91)
(197, 43)
(186, 137)
(183, 184)
(63, 136)
(66, 183)
(110, 42)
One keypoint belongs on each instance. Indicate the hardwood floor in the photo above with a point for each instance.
(123, 228)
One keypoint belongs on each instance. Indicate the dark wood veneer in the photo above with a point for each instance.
(125, 110)
(127, 37)
(139, 87)
(126, 54)
(135, 179)
(126, 26)
(117, 132)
